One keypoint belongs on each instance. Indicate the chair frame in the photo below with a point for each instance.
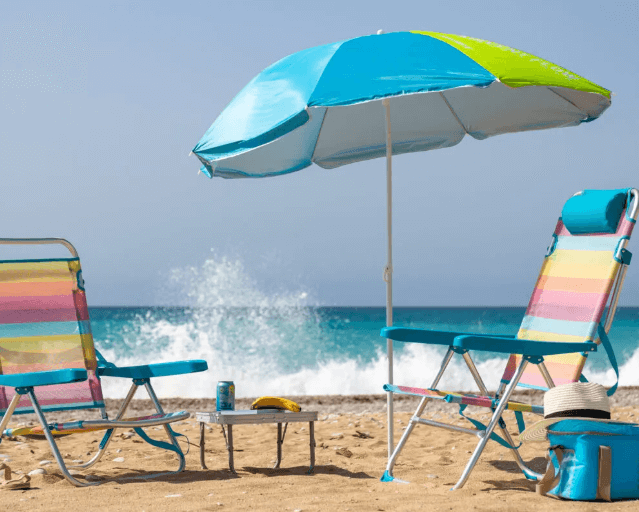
(24, 384)
(461, 342)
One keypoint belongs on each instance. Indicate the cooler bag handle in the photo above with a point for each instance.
(551, 478)
(605, 473)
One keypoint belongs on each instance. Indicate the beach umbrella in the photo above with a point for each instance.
(388, 94)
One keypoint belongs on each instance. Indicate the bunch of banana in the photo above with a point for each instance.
(274, 402)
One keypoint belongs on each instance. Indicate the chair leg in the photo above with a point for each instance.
(7, 415)
(156, 403)
(475, 373)
(108, 435)
(53, 445)
(485, 435)
(388, 474)
(546, 375)
(167, 428)
(529, 473)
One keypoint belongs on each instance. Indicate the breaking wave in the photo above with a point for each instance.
(277, 343)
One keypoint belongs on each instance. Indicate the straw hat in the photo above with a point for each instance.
(575, 401)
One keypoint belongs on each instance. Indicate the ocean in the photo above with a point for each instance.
(282, 346)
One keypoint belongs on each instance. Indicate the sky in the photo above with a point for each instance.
(101, 103)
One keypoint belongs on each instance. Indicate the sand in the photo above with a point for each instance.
(350, 459)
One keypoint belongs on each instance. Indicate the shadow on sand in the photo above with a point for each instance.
(538, 464)
(329, 469)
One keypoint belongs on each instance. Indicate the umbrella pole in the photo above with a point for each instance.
(388, 270)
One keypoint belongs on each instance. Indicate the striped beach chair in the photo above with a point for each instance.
(582, 275)
(48, 361)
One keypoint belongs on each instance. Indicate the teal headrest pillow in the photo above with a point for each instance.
(594, 211)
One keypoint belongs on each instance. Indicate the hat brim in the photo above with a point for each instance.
(538, 432)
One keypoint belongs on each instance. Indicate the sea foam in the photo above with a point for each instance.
(277, 344)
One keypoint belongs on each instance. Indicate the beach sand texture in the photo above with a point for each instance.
(350, 459)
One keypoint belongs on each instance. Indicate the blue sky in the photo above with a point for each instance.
(101, 103)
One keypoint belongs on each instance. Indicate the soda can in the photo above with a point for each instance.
(225, 399)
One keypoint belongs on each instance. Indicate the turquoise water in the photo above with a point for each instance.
(284, 347)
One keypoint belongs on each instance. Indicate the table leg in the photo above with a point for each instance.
(230, 447)
(311, 430)
(202, 463)
(279, 446)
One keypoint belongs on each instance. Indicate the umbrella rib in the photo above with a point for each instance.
(453, 112)
(319, 134)
(565, 99)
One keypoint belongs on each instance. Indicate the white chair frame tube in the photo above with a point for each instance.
(416, 417)
(53, 445)
(485, 435)
(40, 241)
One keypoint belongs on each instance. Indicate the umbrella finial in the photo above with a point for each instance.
(380, 32)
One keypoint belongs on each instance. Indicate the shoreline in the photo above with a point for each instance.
(324, 404)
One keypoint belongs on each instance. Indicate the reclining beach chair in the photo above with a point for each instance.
(48, 361)
(582, 273)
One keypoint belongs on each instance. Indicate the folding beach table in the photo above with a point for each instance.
(256, 417)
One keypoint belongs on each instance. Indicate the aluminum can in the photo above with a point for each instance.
(225, 398)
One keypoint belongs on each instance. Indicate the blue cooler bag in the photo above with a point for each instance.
(590, 460)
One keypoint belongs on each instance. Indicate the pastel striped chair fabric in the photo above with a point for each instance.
(569, 300)
(78, 427)
(465, 399)
(44, 325)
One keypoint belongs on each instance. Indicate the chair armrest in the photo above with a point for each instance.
(526, 347)
(146, 371)
(32, 379)
(415, 335)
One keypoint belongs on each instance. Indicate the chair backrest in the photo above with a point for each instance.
(575, 283)
(44, 325)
